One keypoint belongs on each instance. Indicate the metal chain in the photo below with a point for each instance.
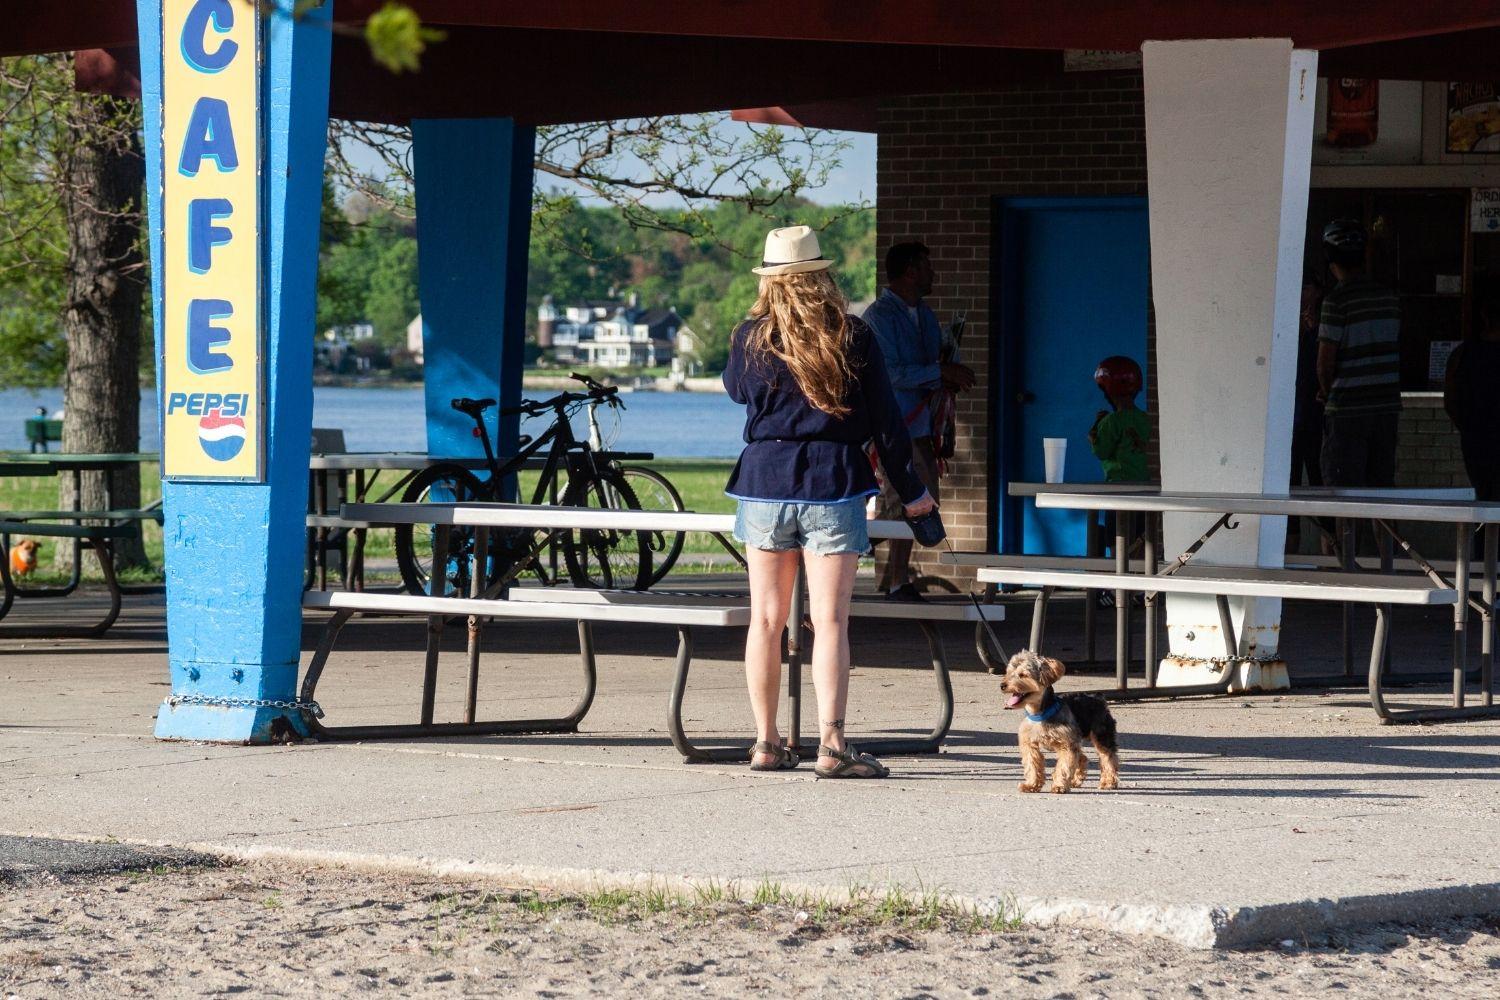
(1223, 661)
(230, 701)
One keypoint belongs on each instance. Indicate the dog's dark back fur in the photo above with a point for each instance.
(1093, 717)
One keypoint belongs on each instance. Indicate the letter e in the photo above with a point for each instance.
(203, 336)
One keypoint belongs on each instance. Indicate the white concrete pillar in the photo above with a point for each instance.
(1228, 149)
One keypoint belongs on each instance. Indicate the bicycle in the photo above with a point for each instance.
(655, 492)
(602, 559)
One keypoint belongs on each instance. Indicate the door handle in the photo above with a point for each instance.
(1025, 397)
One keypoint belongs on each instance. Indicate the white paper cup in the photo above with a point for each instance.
(1055, 452)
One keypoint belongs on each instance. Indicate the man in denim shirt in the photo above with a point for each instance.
(911, 342)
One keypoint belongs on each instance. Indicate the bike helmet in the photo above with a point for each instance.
(1344, 234)
(1118, 375)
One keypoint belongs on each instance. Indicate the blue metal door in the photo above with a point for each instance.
(1071, 285)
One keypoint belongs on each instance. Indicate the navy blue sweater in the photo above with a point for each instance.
(797, 453)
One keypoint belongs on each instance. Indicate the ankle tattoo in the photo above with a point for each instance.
(834, 724)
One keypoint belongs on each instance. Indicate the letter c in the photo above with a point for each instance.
(194, 28)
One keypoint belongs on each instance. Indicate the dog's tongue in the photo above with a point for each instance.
(1013, 701)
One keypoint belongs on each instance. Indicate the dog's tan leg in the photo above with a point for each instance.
(1109, 768)
(1034, 766)
(1062, 775)
(1080, 768)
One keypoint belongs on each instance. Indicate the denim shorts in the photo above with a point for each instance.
(824, 529)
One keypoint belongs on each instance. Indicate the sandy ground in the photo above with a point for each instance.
(271, 930)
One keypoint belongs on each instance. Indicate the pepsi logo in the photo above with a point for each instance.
(221, 437)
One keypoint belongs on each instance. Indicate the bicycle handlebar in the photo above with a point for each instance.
(602, 393)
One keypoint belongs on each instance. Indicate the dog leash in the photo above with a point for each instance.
(983, 618)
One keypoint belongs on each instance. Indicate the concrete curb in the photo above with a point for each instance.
(1198, 926)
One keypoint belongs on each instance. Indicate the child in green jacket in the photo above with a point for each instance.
(1121, 436)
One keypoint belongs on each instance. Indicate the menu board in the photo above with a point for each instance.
(1473, 118)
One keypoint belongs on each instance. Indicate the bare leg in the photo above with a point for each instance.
(771, 577)
(830, 587)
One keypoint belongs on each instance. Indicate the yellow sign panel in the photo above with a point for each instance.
(211, 341)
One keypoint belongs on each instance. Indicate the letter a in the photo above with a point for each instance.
(209, 134)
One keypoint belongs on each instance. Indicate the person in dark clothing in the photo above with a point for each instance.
(1359, 366)
(1307, 413)
(815, 389)
(1471, 395)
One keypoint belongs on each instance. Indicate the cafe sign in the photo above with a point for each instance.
(212, 345)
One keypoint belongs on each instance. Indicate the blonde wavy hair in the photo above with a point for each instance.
(802, 319)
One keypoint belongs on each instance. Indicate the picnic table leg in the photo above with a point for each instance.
(1091, 597)
(934, 741)
(691, 753)
(1231, 649)
(1487, 616)
(1461, 558)
(1039, 619)
(1149, 534)
(794, 659)
(476, 589)
(1122, 602)
(437, 582)
(1348, 539)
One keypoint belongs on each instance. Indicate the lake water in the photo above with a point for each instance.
(671, 424)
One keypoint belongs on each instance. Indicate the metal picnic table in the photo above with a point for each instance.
(56, 463)
(483, 517)
(328, 488)
(1382, 507)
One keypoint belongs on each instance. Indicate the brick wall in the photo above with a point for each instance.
(942, 160)
(1427, 452)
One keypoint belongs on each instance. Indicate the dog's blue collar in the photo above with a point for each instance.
(1051, 707)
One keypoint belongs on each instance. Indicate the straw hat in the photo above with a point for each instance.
(792, 250)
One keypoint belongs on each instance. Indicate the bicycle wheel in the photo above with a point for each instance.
(442, 483)
(656, 492)
(605, 559)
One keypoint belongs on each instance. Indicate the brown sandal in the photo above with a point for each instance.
(784, 759)
(851, 764)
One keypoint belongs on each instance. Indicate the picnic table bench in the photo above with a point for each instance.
(95, 530)
(1382, 590)
(682, 611)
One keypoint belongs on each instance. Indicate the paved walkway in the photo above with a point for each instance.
(1240, 820)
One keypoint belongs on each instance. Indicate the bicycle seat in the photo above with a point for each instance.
(473, 407)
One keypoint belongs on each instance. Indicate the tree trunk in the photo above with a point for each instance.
(105, 176)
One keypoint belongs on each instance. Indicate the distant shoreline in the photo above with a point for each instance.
(535, 381)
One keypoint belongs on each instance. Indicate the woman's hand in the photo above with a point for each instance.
(921, 507)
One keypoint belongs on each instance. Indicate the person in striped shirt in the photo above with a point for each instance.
(1359, 366)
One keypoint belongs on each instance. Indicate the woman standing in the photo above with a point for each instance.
(815, 389)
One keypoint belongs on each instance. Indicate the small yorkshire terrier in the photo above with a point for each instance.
(1059, 723)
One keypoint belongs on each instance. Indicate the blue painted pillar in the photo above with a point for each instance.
(473, 188)
(234, 552)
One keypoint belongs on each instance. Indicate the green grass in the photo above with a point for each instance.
(924, 910)
(44, 493)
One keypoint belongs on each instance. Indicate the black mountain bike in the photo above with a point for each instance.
(596, 558)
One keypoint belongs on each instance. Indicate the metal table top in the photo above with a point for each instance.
(412, 461)
(85, 462)
(500, 515)
(1371, 504)
(1017, 489)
